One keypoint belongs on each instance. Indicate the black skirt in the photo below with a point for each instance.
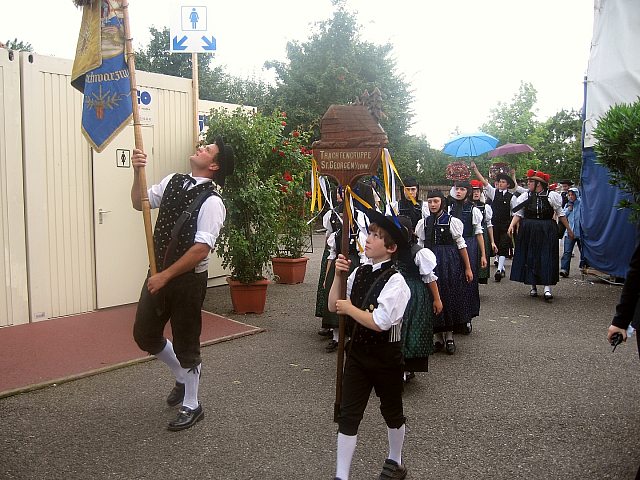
(536, 255)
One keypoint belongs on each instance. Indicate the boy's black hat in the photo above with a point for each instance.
(565, 182)
(399, 234)
(504, 176)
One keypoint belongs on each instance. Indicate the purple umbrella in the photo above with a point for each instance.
(510, 149)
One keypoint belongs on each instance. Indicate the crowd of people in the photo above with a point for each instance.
(443, 255)
(412, 279)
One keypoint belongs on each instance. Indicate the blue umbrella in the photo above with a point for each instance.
(470, 144)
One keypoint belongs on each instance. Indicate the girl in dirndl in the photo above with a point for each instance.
(442, 234)
(487, 229)
(536, 254)
(417, 265)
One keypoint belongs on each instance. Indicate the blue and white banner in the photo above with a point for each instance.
(101, 73)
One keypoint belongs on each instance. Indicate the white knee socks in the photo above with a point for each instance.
(191, 384)
(501, 259)
(396, 440)
(346, 447)
(168, 356)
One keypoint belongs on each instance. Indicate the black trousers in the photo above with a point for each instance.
(502, 240)
(179, 302)
(372, 366)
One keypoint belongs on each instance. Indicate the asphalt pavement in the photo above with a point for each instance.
(533, 393)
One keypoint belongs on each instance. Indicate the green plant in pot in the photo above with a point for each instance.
(251, 195)
(293, 162)
(618, 149)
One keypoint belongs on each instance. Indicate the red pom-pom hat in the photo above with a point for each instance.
(538, 175)
(476, 184)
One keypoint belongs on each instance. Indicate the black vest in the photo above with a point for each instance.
(411, 211)
(407, 264)
(364, 279)
(437, 231)
(501, 208)
(538, 207)
(482, 207)
(175, 200)
(465, 214)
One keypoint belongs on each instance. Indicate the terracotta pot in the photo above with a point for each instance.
(289, 270)
(248, 297)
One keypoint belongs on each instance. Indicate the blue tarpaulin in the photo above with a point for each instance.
(608, 237)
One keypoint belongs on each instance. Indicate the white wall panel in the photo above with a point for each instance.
(13, 259)
(58, 194)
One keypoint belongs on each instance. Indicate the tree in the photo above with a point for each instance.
(515, 123)
(334, 67)
(559, 149)
(18, 45)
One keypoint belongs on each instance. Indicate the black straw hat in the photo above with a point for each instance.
(399, 234)
(509, 180)
(225, 159)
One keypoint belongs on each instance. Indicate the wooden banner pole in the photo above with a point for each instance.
(137, 133)
(196, 96)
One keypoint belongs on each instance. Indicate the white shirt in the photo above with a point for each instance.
(555, 199)
(210, 217)
(426, 262)
(392, 301)
(455, 227)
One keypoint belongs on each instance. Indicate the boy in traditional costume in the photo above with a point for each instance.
(377, 296)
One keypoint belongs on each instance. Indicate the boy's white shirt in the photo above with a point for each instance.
(392, 301)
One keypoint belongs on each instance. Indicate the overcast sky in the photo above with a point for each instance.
(461, 57)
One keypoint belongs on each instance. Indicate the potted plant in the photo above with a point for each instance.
(248, 239)
(618, 149)
(294, 163)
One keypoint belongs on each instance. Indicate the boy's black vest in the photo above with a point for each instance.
(438, 231)
(501, 205)
(464, 212)
(364, 279)
(537, 206)
(175, 200)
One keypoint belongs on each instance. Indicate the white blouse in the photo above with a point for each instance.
(455, 227)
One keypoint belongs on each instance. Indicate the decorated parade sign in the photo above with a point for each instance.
(351, 145)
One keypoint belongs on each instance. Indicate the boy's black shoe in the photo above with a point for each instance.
(392, 471)
(176, 395)
(450, 346)
(186, 418)
(498, 275)
(331, 347)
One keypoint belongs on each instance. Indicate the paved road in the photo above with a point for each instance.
(530, 394)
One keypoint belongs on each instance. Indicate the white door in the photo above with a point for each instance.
(121, 250)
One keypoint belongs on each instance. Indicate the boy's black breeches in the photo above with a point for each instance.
(367, 367)
(179, 302)
(502, 239)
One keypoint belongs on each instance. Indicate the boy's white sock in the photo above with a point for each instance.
(547, 288)
(168, 356)
(501, 259)
(396, 440)
(346, 447)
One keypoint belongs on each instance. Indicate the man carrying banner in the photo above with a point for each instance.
(190, 218)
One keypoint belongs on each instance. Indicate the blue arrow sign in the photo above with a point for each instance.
(179, 45)
(209, 45)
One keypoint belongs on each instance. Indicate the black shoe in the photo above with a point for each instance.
(467, 328)
(498, 276)
(438, 346)
(331, 347)
(176, 395)
(186, 418)
(408, 376)
(392, 471)
(450, 346)
(564, 273)
(548, 297)
(533, 292)
(325, 332)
